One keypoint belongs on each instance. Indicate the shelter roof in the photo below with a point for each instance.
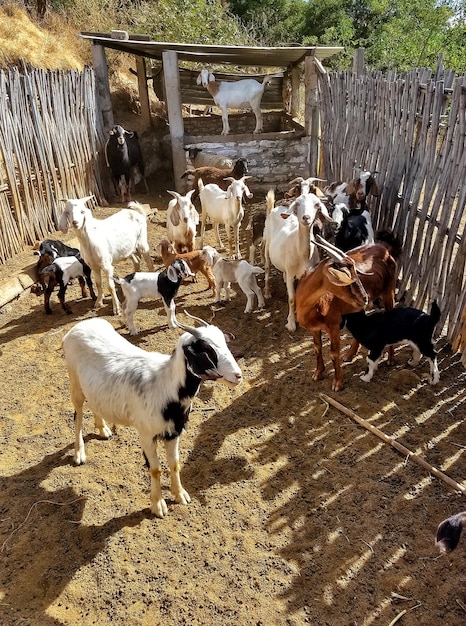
(143, 45)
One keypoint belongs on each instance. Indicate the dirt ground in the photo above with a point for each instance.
(298, 514)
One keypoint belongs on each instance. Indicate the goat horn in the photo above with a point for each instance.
(334, 252)
(198, 319)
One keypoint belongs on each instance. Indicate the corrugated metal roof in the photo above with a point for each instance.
(142, 45)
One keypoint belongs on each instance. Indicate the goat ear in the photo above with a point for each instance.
(172, 274)
(323, 212)
(211, 78)
(199, 363)
(198, 82)
(195, 216)
(340, 277)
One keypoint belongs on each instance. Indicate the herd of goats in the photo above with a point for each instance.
(323, 243)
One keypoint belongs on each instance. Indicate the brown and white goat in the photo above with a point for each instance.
(343, 284)
(354, 192)
(197, 260)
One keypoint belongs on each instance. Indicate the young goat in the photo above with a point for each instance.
(108, 241)
(449, 532)
(182, 221)
(60, 272)
(227, 271)
(239, 94)
(197, 260)
(224, 207)
(342, 284)
(353, 227)
(378, 330)
(288, 242)
(163, 284)
(151, 391)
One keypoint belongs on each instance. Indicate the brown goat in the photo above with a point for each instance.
(343, 284)
(216, 175)
(196, 259)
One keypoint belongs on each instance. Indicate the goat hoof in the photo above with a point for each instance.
(159, 509)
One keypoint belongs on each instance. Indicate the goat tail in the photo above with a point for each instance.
(434, 313)
(270, 200)
(449, 532)
(390, 241)
(267, 80)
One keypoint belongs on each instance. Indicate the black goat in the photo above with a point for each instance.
(449, 532)
(378, 330)
(124, 158)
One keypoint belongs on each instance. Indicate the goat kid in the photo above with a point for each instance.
(227, 271)
(164, 284)
(353, 227)
(60, 272)
(105, 242)
(449, 532)
(376, 331)
(153, 392)
(216, 175)
(246, 93)
(197, 260)
(224, 207)
(199, 158)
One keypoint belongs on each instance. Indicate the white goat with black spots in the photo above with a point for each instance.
(153, 392)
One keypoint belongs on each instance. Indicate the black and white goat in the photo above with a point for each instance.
(48, 251)
(449, 532)
(378, 330)
(153, 392)
(60, 272)
(353, 227)
(163, 284)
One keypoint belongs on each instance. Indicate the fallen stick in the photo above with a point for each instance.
(393, 442)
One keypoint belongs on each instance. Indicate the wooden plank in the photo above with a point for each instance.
(143, 92)
(175, 116)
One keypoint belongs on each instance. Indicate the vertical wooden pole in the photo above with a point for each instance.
(312, 113)
(295, 82)
(175, 116)
(103, 87)
(359, 67)
(143, 92)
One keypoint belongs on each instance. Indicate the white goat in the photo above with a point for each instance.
(106, 242)
(151, 391)
(227, 271)
(289, 242)
(224, 207)
(182, 220)
(246, 93)
(163, 284)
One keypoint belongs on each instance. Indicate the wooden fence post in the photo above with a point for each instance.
(99, 60)
(311, 113)
(175, 116)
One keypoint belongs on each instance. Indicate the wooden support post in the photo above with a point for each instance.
(175, 115)
(359, 67)
(295, 83)
(143, 92)
(103, 87)
(312, 113)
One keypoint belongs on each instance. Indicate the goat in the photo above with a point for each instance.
(353, 227)
(151, 391)
(60, 272)
(399, 325)
(48, 251)
(224, 207)
(449, 532)
(354, 192)
(123, 156)
(108, 241)
(298, 186)
(342, 284)
(227, 271)
(197, 260)
(182, 220)
(163, 284)
(217, 176)
(239, 94)
(199, 158)
(288, 242)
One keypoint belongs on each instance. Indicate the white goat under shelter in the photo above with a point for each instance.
(103, 243)
(124, 384)
(182, 221)
(227, 271)
(242, 94)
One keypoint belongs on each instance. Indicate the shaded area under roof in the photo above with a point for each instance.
(142, 45)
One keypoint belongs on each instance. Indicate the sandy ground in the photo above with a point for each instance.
(298, 514)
